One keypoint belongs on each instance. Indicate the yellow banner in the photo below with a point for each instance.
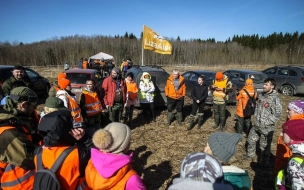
(155, 42)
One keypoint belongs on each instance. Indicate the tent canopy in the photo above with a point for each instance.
(100, 56)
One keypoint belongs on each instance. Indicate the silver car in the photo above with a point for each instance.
(289, 79)
(239, 76)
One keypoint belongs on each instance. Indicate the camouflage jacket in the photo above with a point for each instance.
(15, 146)
(268, 111)
(8, 85)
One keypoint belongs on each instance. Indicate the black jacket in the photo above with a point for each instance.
(199, 92)
(55, 128)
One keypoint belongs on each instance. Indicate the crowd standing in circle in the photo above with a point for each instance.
(65, 147)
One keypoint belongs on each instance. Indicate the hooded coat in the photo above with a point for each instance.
(146, 88)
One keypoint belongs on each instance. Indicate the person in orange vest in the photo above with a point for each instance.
(295, 117)
(59, 134)
(110, 163)
(91, 107)
(53, 90)
(132, 94)
(221, 85)
(85, 64)
(243, 123)
(70, 102)
(18, 139)
(175, 91)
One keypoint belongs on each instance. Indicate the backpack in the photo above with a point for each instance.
(250, 106)
(46, 179)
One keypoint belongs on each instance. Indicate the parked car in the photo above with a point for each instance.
(159, 78)
(289, 79)
(239, 76)
(191, 79)
(41, 85)
(78, 78)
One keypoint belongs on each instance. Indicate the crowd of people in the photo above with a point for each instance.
(65, 147)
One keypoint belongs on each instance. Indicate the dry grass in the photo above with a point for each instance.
(159, 150)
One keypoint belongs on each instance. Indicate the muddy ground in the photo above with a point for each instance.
(159, 149)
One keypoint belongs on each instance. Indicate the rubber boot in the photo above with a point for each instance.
(125, 117)
(130, 116)
(199, 121)
(191, 125)
(179, 118)
(169, 118)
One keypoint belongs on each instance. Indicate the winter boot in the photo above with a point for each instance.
(169, 118)
(191, 125)
(199, 121)
(126, 114)
(179, 118)
(130, 116)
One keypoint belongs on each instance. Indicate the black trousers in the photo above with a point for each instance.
(197, 106)
(147, 109)
(175, 104)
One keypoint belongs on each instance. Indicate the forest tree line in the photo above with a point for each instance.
(275, 49)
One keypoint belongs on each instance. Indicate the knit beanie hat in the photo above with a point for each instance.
(219, 76)
(61, 75)
(201, 167)
(223, 145)
(63, 83)
(114, 138)
(249, 82)
(297, 106)
(117, 70)
(54, 102)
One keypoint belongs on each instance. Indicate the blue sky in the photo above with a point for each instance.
(30, 21)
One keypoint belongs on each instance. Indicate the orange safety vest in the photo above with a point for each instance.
(92, 103)
(132, 90)
(68, 173)
(117, 181)
(75, 111)
(220, 84)
(15, 177)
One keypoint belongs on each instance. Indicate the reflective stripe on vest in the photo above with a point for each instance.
(75, 111)
(220, 84)
(93, 105)
(15, 177)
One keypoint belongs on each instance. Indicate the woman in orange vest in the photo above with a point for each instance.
(132, 93)
(59, 134)
(85, 64)
(295, 117)
(69, 100)
(110, 163)
(91, 107)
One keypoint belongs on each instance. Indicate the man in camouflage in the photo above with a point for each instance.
(268, 111)
(18, 137)
(18, 79)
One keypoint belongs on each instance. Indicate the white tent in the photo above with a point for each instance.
(101, 55)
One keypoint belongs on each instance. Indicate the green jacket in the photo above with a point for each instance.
(15, 146)
(11, 83)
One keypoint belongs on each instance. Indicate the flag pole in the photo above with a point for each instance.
(142, 47)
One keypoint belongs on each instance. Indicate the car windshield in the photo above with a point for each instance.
(209, 77)
(259, 78)
(78, 78)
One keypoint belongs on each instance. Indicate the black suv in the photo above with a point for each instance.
(159, 78)
(40, 84)
(289, 79)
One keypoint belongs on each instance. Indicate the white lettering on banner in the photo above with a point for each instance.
(159, 46)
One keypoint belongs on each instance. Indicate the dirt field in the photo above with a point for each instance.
(159, 149)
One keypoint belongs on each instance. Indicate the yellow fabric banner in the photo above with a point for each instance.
(155, 42)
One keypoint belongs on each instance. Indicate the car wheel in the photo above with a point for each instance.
(287, 90)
